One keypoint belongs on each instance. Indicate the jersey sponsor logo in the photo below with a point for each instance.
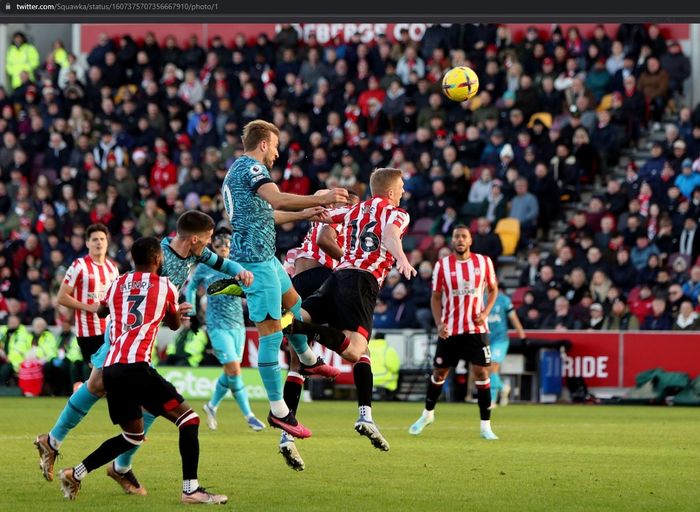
(257, 178)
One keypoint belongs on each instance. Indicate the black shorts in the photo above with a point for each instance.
(89, 345)
(473, 348)
(345, 301)
(308, 281)
(132, 386)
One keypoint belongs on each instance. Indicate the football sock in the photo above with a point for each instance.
(240, 393)
(189, 486)
(189, 448)
(123, 463)
(483, 396)
(79, 472)
(269, 367)
(75, 410)
(222, 387)
(106, 452)
(362, 373)
(434, 392)
(292, 390)
(496, 386)
(329, 337)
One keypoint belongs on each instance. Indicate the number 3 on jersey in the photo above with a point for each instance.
(368, 241)
(134, 303)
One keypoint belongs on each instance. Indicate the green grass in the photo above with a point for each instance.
(548, 458)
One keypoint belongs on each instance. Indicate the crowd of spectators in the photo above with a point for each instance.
(136, 132)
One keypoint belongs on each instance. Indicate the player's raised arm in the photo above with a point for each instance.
(313, 214)
(292, 202)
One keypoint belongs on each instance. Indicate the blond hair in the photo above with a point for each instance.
(382, 179)
(257, 131)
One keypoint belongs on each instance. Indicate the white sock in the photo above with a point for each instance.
(189, 486)
(80, 472)
(308, 358)
(120, 469)
(251, 415)
(485, 425)
(428, 415)
(54, 443)
(212, 407)
(366, 412)
(279, 408)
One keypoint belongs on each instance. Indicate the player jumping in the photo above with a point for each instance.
(249, 188)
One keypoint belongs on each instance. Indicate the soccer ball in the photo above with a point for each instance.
(460, 83)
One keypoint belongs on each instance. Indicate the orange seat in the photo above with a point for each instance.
(508, 230)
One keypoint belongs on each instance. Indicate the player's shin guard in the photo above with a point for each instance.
(292, 390)
(269, 365)
(496, 386)
(123, 463)
(188, 423)
(329, 337)
(483, 395)
(434, 392)
(110, 449)
(222, 387)
(240, 393)
(362, 372)
(75, 410)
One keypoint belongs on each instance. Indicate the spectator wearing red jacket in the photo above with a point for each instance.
(163, 173)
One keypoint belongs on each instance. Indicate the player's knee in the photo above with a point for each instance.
(187, 418)
(135, 438)
(95, 385)
(232, 369)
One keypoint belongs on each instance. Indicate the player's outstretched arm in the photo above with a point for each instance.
(314, 214)
(392, 240)
(227, 266)
(292, 202)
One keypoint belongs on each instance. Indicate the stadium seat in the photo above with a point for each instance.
(423, 226)
(508, 230)
(517, 297)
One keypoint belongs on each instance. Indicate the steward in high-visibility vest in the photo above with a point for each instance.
(21, 56)
(385, 365)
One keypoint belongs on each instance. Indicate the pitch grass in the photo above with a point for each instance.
(548, 458)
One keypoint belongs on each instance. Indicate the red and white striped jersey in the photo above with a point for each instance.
(309, 247)
(137, 303)
(364, 236)
(462, 284)
(90, 282)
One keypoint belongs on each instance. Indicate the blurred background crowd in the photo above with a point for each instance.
(582, 147)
